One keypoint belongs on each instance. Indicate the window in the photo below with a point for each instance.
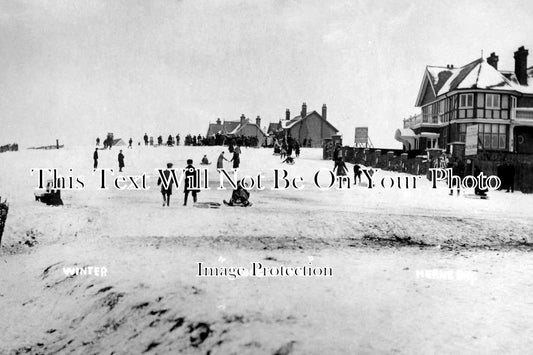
(493, 101)
(492, 136)
(466, 100)
(479, 99)
(462, 132)
(503, 136)
(505, 101)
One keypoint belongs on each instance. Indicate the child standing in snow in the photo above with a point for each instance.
(190, 182)
(166, 192)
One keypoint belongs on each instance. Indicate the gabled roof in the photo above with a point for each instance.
(287, 124)
(273, 127)
(238, 129)
(223, 128)
(475, 75)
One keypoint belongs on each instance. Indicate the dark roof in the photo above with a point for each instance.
(273, 127)
(223, 128)
(298, 119)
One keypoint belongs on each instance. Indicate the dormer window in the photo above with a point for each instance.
(466, 101)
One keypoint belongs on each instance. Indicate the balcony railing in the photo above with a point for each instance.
(523, 113)
(418, 120)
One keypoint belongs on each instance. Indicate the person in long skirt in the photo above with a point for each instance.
(220, 161)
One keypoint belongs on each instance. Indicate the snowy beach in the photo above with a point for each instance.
(413, 270)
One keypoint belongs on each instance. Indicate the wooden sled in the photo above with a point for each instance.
(239, 205)
(207, 205)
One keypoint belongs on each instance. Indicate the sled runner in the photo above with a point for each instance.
(237, 204)
(207, 204)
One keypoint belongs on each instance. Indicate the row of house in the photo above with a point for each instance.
(499, 102)
(310, 128)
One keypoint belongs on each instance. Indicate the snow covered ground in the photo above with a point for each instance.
(413, 270)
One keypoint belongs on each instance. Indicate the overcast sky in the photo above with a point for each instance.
(75, 70)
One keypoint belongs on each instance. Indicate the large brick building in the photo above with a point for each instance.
(308, 128)
(499, 102)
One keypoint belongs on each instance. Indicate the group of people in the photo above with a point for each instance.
(239, 197)
(170, 140)
(285, 147)
(120, 159)
(189, 187)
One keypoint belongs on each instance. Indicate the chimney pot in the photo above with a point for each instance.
(304, 110)
(287, 114)
(520, 65)
(258, 121)
(493, 60)
(324, 112)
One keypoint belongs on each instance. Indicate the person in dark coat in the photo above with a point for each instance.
(458, 169)
(356, 173)
(130, 142)
(120, 161)
(297, 150)
(510, 173)
(335, 154)
(239, 197)
(236, 157)
(477, 190)
(95, 158)
(168, 191)
(177, 140)
(340, 168)
(289, 148)
(145, 139)
(190, 182)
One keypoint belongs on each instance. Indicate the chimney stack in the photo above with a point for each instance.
(324, 112)
(493, 60)
(287, 114)
(218, 121)
(258, 121)
(243, 119)
(304, 110)
(520, 65)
